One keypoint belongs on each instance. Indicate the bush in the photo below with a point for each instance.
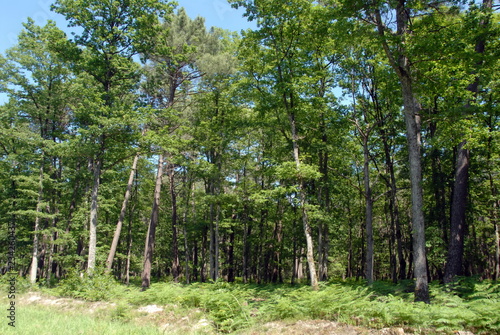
(21, 284)
(87, 287)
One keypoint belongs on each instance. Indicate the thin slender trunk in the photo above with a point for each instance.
(246, 244)
(497, 250)
(324, 201)
(34, 255)
(186, 250)
(368, 212)
(214, 240)
(203, 266)
(393, 205)
(93, 216)
(294, 263)
(50, 257)
(494, 218)
(153, 222)
(175, 243)
(129, 248)
(303, 205)
(230, 258)
(350, 257)
(217, 248)
(190, 194)
(121, 218)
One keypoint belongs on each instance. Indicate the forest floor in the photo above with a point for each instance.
(101, 306)
(167, 321)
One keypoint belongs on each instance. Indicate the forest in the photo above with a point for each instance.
(340, 139)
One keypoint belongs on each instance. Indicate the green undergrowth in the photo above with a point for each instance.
(469, 304)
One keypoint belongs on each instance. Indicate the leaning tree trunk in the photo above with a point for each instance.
(153, 222)
(123, 211)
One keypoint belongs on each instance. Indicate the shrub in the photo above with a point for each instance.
(88, 287)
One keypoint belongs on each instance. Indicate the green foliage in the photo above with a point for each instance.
(473, 305)
(81, 285)
(225, 304)
(22, 284)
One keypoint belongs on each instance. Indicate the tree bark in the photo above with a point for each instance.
(93, 215)
(121, 218)
(454, 260)
(176, 269)
(368, 212)
(34, 255)
(412, 119)
(402, 67)
(303, 205)
(153, 222)
(129, 248)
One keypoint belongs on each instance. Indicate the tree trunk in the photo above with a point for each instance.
(189, 194)
(324, 201)
(129, 249)
(303, 204)
(497, 250)
(368, 211)
(393, 203)
(275, 249)
(150, 238)
(123, 211)
(214, 241)
(34, 255)
(230, 257)
(402, 67)
(454, 260)
(246, 243)
(413, 135)
(176, 268)
(93, 216)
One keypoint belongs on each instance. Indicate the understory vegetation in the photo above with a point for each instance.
(468, 304)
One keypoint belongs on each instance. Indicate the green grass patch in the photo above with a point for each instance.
(44, 320)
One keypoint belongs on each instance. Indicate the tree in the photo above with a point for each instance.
(39, 84)
(281, 77)
(113, 32)
(172, 68)
(458, 221)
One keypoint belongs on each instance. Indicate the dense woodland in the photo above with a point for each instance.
(340, 138)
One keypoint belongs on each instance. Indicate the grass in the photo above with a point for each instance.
(44, 320)
(234, 308)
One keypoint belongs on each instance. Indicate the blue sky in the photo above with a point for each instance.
(216, 13)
